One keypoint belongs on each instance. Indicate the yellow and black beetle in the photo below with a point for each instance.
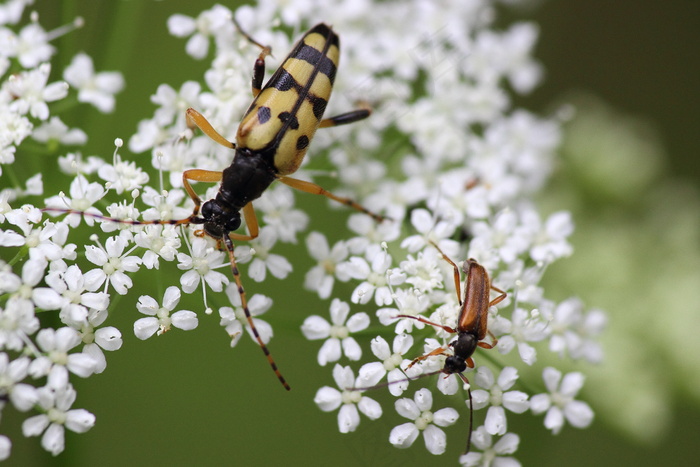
(271, 142)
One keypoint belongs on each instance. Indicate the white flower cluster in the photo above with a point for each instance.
(37, 362)
(445, 156)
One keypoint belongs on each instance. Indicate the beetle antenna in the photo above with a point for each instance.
(244, 303)
(471, 412)
(386, 384)
(192, 219)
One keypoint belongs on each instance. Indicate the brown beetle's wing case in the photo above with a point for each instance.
(288, 110)
(476, 299)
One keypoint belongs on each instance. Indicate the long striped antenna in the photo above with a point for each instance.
(244, 304)
(194, 218)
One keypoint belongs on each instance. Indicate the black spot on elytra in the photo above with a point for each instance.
(264, 114)
(289, 119)
(302, 142)
(318, 104)
(284, 81)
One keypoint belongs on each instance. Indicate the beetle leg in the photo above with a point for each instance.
(438, 351)
(198, 175)
(195, 118)
(259, 67)
(458, 286)
(486, 345)
(347, 117)
(314, 189)
(423, 320)
(498, 299)
(251, 221)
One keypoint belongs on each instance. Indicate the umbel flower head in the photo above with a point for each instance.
(445, 156)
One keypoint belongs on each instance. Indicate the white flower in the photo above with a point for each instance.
(122, 176)
(492, 454)
(560, 403)
(495, 396)
(277, 205)
(522, 329)
(161, 318)
(17, 320)
(76, 301)
(392, 361)
(57, 362)
(234, 320)
(337, 332)
(55, 131)
(23, 396)
(30, 92)
(349, 400)
(112, 262)
(263, 260)
(373, 272)
(430, 230)
(200, 267)
(5, 447)
(97, 89)
(574, 332)
(31, 46)
(209, 22)
(161, 241)
(164, 205)
(550, 242)
(321, 278)
(423, 272)
(96, 340)
(56, 403)
(173, 104)
(83, 197)
(424, 420)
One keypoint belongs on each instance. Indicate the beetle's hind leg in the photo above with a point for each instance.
(345, 118)
(314, 189)
(259, 67)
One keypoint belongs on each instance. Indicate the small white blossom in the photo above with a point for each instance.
(97, 89)
(200, 267)
(234, 320)
(495, 455)
(321, 277)
(59, 415)
(392, 361)
(263, 260)
(348, 399)
(161, 318)
(113, 263)
(57, 361)
(424, 421)
(560, 403)
(495, 395)
(337, 332)
(57, 132)
(122, 176)
(30, 92)
(23, 396)
(83, 196)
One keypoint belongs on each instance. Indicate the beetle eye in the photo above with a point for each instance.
(207, 209)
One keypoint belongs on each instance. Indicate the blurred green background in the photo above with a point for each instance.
(187, 398)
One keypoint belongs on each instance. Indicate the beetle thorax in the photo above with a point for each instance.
(465, 345)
